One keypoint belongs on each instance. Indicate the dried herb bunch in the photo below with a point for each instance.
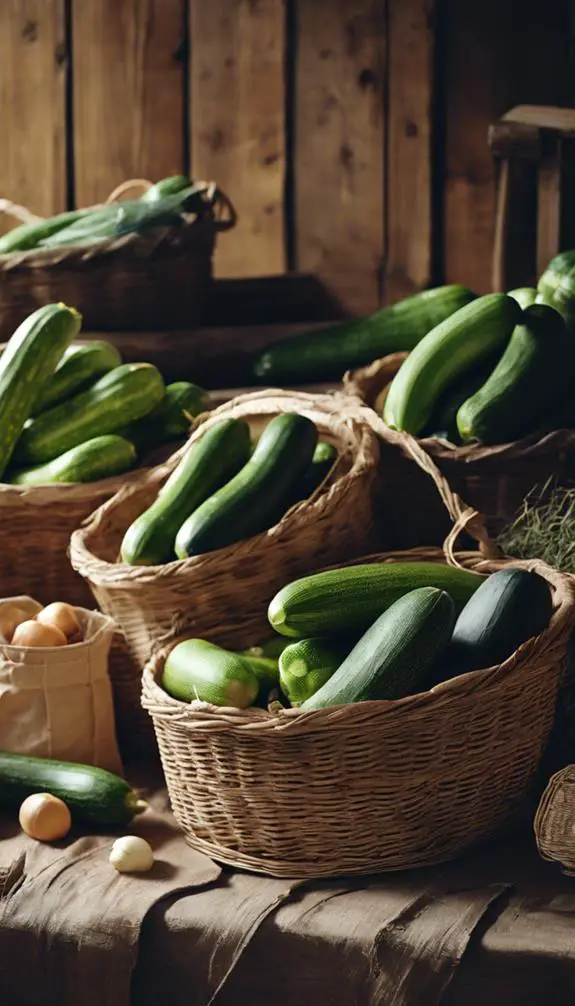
(544, 528)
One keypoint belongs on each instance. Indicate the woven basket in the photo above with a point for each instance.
(219, 595)
(128, 282)
(494, 480)
(555, 820)
(374, 786)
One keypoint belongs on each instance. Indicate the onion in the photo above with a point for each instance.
(63, 616)
(131, 854)
(31, 633)
(45, 817)
(11, 616)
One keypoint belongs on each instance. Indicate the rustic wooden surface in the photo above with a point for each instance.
(339, 146)
(128, 93)
(32, 104)
(237, 124)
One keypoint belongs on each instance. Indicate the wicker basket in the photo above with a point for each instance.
(374, 786)
(555, 820)
(128, 282)
(219, 595)
(494, 480)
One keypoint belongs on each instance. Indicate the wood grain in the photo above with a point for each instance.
(32, 104)
(411, 50)
(237, 124)
(128, 81)
(339, 147)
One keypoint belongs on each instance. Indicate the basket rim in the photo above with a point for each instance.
(188, 717)
(363, 458)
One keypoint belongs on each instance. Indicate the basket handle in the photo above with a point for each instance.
(465, 518)
(141, 185)
(20, 213)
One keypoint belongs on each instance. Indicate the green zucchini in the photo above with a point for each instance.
(444, 355)
(443, 422)
(267, 673)
(510, 607)
(394, 656)
(96, 225)
(196, 669)
(27, 363)
(306, 665)
(170, 420)
(119, 397)
(524, 295)
(536, 370)
(79, 367)
(326, 354)
(258, 496)
(556, 286)
(95, 459)
(29, 236)
(208, 464)
(271, 649)
(93, 795)
(166, 187)
(348, 600)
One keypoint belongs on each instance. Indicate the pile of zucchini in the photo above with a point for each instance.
(77, 413)
(372, 631)
(226, 489)
(485, 370)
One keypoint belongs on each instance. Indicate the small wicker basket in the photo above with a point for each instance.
(126, 282)
(374, 786)
(555, 820)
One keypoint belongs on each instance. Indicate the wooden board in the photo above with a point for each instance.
(128, 80)
(237, 124)
(411, 50)
(32, 104)
(339, 147)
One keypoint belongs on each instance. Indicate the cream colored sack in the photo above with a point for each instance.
(56, 701)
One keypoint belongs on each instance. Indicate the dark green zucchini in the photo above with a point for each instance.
(169, 421)
(443, 422)
(95, 459)
(80, 367)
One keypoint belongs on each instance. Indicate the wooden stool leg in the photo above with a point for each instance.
(499, 269)
(549, 206)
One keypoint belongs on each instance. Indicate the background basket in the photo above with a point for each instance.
(494, 480)
(373, 786)
(128, 282)
(219, 595)
(555, 820)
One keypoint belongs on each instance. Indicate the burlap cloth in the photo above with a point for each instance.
(496, 928)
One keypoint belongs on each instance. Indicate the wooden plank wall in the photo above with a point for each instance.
(350, 134)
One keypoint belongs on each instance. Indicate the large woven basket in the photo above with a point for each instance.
(374, 786)
(128, 282)
(219, 595)
(555, 820)
(494, 480)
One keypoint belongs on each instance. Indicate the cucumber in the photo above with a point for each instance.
(170, 420)
(125, 394)
(29, 236)
(348, 600)
(326, 354)
(443, 422)
(93, 795)
(207, 465)
(535, 371)
(27, 363)
(95, 459)
(393, 658)
(196, 669)
(324, 458)
(79, 367)
(510, 607)
(524, 295)
(306, 665)
(166, 187)
(258, 496)
(445, 354)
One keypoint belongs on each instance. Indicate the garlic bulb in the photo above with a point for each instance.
(131, 854)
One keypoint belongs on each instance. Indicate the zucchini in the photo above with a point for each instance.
(348, 600)
(28, 361)
(95, 459)
(170, 420)
(29, 236)
(524, 295)
(93, 795)
(121, 396)
(208, 464)
(326, 354)
(79, 367)
(443, 422)
(267, 673)
(444, 355)
(306, 665)
(535, 371)
(510, 607)
(556, 286)
(196, 669)
(271, 649)
(96, 225)
(166, 187)
(393, 658)
(258, 496)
